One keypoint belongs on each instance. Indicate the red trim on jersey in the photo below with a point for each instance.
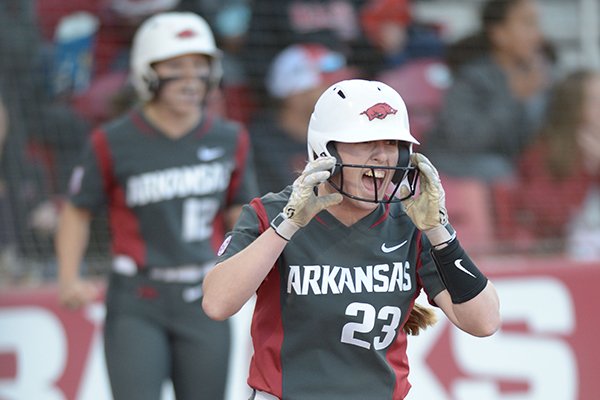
(396, 354)
(141, 124)
(419, 249)
(383, 217)
(267, 327)
(204, 126)
(218, 234)
(241, 154)
(126, 237)
(261, 213)
(320, 220)
(398, 359)
(419, 261)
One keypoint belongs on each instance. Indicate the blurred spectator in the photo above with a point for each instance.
(558, 195)
(276, 24)
(494, 106)
(27, 213)
(43, 134)
(107, 92)
(231, 23)
(230, 20)
(51, 130)
(8, 237)
(410, 59)
(391, 29)
(118, 21)
(296, 78)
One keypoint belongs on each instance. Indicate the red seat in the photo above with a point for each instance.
(470, 211)
(95, 104)
(510, 230)
(422, 84)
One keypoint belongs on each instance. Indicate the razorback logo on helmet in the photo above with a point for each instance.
(185, 34)
(379, 111)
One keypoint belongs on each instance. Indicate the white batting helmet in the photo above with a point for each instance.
(168, 35)
(356, 110)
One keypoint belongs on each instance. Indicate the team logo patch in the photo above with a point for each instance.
(187, 33)
(379, 111)
(224, 246)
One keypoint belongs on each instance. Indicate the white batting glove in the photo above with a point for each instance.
(303, 204)
(428, 210)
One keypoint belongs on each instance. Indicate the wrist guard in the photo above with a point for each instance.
(461, 276)
(282, 226)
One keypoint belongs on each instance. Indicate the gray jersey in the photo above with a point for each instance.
(329, 316)
(165, 196)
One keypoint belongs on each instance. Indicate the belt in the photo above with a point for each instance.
(258, 395)
(189, 273)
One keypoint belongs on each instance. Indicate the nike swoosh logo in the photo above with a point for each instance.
(210, 153)
(386, 249)
(458, 265)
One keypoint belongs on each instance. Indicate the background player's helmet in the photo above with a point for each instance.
(357, 110)
(168, 35)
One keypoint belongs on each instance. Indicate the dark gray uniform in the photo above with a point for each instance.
(165, 200)
(329, 316)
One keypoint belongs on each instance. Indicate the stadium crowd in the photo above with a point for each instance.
(513, 132)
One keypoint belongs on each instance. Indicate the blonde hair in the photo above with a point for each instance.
(564, 115)
(419, 319)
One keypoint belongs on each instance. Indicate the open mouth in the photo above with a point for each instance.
(373, 179)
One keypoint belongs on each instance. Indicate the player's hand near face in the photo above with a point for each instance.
(304, 204)
(428, 209)
(229, 285)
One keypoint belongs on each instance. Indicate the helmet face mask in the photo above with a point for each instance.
(356, 111)
(404, 175)
(198, 69)
(409, 176)
(165, 36)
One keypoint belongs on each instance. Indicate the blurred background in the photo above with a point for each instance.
(504, 98)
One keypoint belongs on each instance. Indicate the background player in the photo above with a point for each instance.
(172, 177)
(338, 271)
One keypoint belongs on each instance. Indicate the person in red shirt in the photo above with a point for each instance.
(560, 172)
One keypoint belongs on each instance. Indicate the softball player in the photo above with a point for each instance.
(172, 178)
(338, 259)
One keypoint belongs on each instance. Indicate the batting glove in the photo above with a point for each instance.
(304, 204)
(428, 210)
